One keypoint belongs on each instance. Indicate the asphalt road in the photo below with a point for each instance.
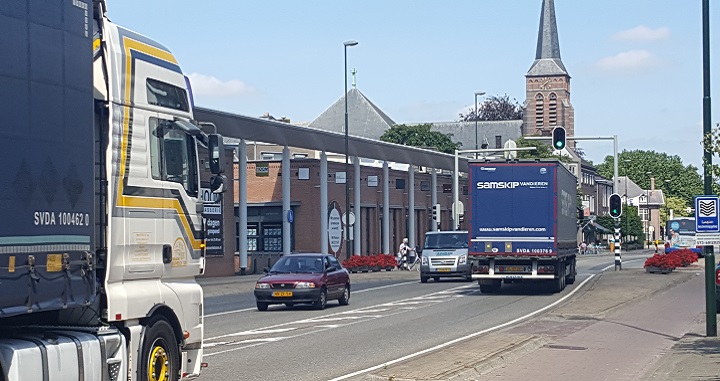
(390, 315)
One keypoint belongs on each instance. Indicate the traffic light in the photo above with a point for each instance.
(558, 137)
(436, 213)
(615, 205)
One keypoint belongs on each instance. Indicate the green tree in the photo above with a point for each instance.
(420, 136)
(671, 175)
(630, 223)
(495, 107)
(678, 206)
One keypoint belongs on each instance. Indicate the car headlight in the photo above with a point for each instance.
(262, 285)
(424, 261)
(462, 260)
(304, 285)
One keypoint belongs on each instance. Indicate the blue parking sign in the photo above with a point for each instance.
(706, 214)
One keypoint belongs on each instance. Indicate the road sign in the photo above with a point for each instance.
(706, 214)
(707, 239)
(348, 219)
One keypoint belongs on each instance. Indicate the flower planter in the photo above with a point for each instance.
(389, 268)
(374, 268)
(661, 270)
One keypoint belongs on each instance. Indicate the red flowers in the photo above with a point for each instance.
(673, 259)
(370, 261)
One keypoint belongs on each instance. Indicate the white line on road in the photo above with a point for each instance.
(354, 292)
(451, 342)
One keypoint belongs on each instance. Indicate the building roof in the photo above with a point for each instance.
(464, 132)
(633, 191)
(269, 131)
(547, 55)
(364, 118)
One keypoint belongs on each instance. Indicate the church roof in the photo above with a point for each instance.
(547, 55)
(364, 118)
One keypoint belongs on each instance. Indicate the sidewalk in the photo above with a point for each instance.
(625, 325)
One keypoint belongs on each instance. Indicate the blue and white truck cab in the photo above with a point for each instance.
(444, 254)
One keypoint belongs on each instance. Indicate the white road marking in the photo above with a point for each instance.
(451, 342)
(353, 319)
(354, 292)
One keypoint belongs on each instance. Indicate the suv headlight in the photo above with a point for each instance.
(304, 285)
(262, 285)
(462, 260)
(424, 260)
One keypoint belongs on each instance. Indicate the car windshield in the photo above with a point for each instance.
(298, 264)
(446, 241)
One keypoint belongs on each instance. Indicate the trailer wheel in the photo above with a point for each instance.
(570, 278)
(560, 280)
(159, 359)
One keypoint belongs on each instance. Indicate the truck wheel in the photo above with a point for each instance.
(560, 280)
(570, 278)
(160, 353)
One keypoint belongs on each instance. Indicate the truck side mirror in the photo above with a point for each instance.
(216, 149)
(217, 183)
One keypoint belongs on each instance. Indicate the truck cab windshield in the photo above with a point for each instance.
(446, 241)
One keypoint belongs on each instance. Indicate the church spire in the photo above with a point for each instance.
(547, 55)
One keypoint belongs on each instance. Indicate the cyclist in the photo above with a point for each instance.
(403, 253)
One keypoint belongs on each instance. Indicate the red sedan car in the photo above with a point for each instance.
(303, 278)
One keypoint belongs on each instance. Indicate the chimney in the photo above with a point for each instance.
(652, 183)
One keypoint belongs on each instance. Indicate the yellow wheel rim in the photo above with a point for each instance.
(158, 364)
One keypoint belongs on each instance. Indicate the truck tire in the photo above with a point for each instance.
(160, 353)
(570, 278)
(559, 284)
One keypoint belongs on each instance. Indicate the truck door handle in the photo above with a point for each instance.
(167, 253)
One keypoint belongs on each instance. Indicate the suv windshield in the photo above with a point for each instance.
(298, 264)
(446, 241)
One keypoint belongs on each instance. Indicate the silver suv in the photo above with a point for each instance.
(444, 254)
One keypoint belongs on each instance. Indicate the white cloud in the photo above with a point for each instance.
(630, 60)
(642, 33)
(208, 85)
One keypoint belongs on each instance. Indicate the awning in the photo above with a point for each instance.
(598, 228)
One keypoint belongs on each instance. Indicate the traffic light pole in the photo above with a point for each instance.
(614, 138)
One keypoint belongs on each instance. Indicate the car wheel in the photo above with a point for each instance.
(423, 279)
(322, 300)
(345, 298)
(289, 305)
(262, 306)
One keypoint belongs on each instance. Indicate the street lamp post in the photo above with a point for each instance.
(477, 94)
(647, 209)
(347, 160)
(627, 219)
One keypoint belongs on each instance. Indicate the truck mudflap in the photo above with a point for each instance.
(29, 354)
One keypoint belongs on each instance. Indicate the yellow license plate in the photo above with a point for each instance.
(444, 270)
(513, 269)
(282, 293)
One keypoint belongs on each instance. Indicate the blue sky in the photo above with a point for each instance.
(636, 65)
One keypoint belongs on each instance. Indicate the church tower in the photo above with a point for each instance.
(547, 83)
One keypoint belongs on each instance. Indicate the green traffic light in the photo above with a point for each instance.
(559, 145)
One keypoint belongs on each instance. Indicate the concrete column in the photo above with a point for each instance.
(323, 203)
(386, 209)
(433, 196)
(286, 200)
(411, 204)
(242, 194)
(356, 209)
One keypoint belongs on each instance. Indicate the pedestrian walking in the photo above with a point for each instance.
(583, 247)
